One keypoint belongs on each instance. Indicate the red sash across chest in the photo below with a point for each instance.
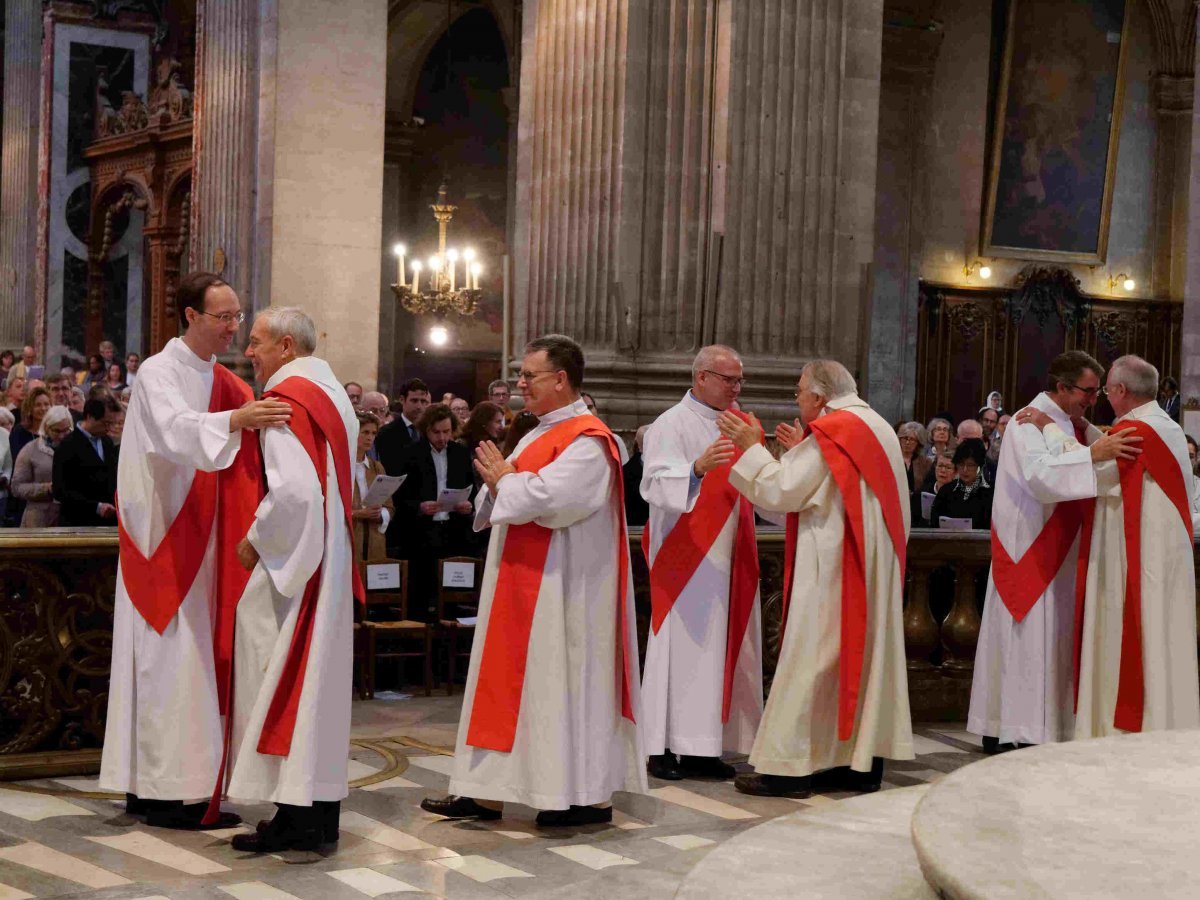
(501, 679)
(688, 543)
(853, 454)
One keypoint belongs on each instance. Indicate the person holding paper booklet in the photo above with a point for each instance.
(433, 505)
(371, 515)
(968, 498)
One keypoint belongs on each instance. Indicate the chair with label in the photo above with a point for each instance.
(386, 628)
(459, 579)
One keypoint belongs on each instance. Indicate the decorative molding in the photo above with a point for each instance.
(1046, 291)
(1174, 94)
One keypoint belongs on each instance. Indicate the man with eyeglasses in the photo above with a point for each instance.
(1023, 686)
(500, 393)
(1136, 656)
(702, 685)
(549, 717)
(188, 482)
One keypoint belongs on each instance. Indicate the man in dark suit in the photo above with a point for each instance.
(1168, 397)
(425, 530)
(397, 436)
(84, 477)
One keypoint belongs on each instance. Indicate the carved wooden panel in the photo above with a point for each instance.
(975, 340)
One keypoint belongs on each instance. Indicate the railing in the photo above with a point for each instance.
(56, 602)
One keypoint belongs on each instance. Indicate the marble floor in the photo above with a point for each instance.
(59, 839)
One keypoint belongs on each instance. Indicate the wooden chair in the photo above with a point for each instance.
(453, 603)
(386, 621)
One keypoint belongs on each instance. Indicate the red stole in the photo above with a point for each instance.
(686, 546)
(318, 425)
(501, 679)
(1160, 464)
(852, 452)
(157, 584)
(1020, 583)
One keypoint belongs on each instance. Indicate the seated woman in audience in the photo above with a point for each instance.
(941, 473)
(969, 496)
(115, 379)
(913, 440)
(32, 475)
(941, 437)
(995, 400)
(370, 522)
(522, 423)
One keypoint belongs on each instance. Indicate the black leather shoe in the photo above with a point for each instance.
(330, 812)
(576, 815)
(454, 807)
(992, 746)
(706, 767)
(186, 817)
(665, 766)
(796, 787)
(844, 778)
(136, 806)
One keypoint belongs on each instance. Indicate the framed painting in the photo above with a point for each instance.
(1057, 129)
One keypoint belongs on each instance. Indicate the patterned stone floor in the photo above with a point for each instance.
(69, 845)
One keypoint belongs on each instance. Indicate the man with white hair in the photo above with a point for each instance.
(702, 684)
(1021, 689)
(1135, 648)
(839, 700)
(969, 428)
(293, 646)
(187, 484)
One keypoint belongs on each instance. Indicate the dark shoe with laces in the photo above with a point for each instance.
(795, 787)
(576, 815)
(454, 807)
(706, 767)
(665, 766)
(293, 828)
(185, 816)
(329, 813)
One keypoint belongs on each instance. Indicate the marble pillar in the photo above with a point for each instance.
(225, 143)
(19, 177)
(1190, 382)
(1173, 99)
(697, 171)
(326, 187)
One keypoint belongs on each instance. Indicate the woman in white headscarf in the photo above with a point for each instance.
(995, 400)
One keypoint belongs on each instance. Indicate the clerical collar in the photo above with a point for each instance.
(183, 354)
(700, 407)
(1145, 411)
(570, 411)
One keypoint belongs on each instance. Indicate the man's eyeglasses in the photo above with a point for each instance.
(1089, 392)
(530, 376)
(731, 380)
(236, 318)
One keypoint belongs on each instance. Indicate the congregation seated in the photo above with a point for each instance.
(941, 436)
(941, 474)
(969, 495)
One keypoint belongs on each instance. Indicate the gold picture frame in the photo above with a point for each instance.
(1042, 199)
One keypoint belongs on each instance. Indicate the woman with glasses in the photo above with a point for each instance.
(32, 474)
(968, 496)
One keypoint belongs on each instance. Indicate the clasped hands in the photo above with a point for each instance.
(491, 464)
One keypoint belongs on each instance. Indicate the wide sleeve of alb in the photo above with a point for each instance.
(669, 482)
(1053, 464)
(175, 431)
(789, 484)
(577, 484)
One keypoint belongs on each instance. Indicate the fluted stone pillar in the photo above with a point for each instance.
(695, 171)
(1173, 100)
(225, 142)
(19, 178)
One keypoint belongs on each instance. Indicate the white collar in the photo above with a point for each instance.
(1148, 410)
(570, 411)
(700, 408)
(182, 353)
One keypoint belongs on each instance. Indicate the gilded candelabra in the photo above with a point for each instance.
(443, 294)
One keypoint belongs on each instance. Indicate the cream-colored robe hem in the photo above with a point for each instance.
(799, 733)
(1172, 685)
(162, 739)
(293, 534)
(572, 746)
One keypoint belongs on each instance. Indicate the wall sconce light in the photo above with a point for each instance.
(984, 270)
(1123, 281)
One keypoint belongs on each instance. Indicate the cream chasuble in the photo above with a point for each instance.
(572, 746)
(799, 731)
(162, 739)
(295, 531)
(684, 678)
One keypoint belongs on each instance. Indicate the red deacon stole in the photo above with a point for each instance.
(501, 679)
(686, 546)
(157, 584)
(1159, 463)
(1020, 583)
(318, 426)
(852, 452)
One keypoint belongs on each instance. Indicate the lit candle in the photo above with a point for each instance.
(399, 251)
(416, 267)
(452, 259)
(476, 269)
(435, 268)
(468, 258)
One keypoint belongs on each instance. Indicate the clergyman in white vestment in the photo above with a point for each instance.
(1022, 688)
(1169, 695)
(685, 681)
(296, 532)
(163, 737)
(567, 737)
(839, 700)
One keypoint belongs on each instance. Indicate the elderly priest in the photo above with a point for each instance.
(550, 711)
(293, 647)
(839, 701)
(1135, 646)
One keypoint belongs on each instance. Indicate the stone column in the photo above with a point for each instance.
(395, 326)
(19, 179)
(225, 143)
(1173, 98)
(1190, 382)
(697, 171)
